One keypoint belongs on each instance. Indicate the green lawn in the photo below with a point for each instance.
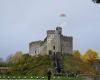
(38, 78)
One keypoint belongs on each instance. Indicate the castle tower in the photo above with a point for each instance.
(54, 48)
(59, 29)
(50, 38)
(58, 33)
(53, 40)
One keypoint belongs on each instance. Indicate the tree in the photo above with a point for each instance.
(76, 54)
(90, 56)
(17, 58)
(1, 60)
(28, 58)
(96, 1)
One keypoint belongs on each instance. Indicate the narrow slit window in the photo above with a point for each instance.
(35, 51)
(53, 47)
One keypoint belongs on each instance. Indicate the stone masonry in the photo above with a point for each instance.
(53, 43)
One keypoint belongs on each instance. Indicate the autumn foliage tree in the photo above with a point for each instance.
(17, 58)
(76, 54)
(90, 56)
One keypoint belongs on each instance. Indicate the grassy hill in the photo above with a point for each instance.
(74, 65)
(41, 64)
(38, 65)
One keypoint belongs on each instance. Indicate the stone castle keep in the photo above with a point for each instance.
(53, 43)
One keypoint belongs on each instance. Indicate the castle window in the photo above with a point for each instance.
(35, 51)
(50, 52)
(53, 47)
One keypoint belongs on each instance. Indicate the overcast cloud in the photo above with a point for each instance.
(23, 21)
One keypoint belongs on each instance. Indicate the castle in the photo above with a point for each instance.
(53, 43)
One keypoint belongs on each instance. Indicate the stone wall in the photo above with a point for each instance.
(43, 49)
(67, 44)
(33, 47)
(96, 65)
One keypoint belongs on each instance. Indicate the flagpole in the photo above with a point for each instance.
(62, 20)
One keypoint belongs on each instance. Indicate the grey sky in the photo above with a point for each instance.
(23, 21)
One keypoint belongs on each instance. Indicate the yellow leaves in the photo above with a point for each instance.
(90, 55)
(17, 58)
(76, 54)
(84, 61)
(71, 63)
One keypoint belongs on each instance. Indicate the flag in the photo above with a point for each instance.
(62, 15)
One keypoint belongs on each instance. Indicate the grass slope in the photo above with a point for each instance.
(39, 66)
(42, 63)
